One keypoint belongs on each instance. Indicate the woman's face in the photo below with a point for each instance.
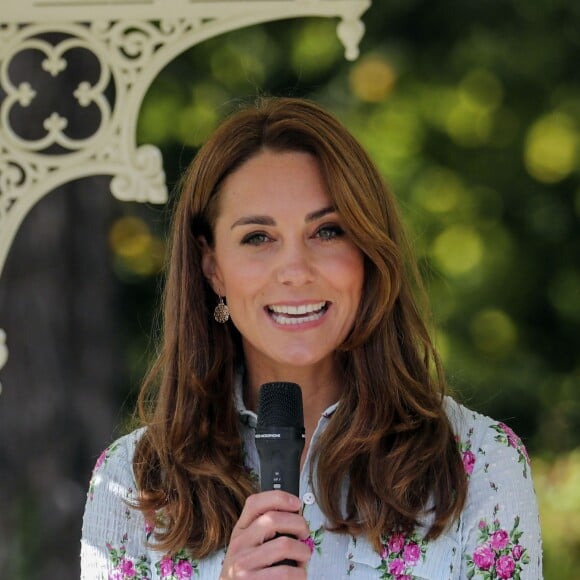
(291, 276)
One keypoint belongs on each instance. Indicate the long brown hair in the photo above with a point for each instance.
(389, 437)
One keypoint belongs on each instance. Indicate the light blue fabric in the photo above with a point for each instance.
(497, 535)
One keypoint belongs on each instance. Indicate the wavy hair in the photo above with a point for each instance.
(389, 438)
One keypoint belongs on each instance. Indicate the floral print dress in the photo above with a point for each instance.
(496, 537)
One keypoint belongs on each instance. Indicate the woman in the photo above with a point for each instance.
(288, 262)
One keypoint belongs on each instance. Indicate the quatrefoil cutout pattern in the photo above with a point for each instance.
(59, 96)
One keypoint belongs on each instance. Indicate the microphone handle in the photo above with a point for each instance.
(280, 450)
(280, 466)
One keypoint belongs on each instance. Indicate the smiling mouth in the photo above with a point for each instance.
(286, 314)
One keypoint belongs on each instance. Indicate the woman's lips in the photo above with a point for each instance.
(288, 314)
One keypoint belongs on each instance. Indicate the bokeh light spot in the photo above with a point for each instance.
(493, 332)
(243, 60)
(394, 135)
(551, 148)
(316, 48)
(480, 89)
(372, 79)
(470, 121)
(438, 190)
(469, 126)
(458, 250)
(156, 118)
(198, 120)
(129, 237)
(136, 251)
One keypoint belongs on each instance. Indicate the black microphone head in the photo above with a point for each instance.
(280, 405)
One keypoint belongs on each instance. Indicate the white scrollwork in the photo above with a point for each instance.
(7, 32)
(16, 177)
(350, 32)
(133, 43)
(24, 95)
(144, 180)
(12, 178)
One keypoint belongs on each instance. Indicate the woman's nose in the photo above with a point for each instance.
(295, 265)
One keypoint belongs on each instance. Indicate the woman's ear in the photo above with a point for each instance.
(209, 266)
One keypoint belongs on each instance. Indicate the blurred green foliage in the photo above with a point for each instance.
(471, 110)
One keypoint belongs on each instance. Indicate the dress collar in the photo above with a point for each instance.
(249, 417)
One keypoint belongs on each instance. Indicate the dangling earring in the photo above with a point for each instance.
(221, 312)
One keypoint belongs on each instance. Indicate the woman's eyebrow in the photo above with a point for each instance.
(259, 220)
(265, 220)
(316, 215)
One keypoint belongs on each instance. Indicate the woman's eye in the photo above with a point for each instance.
(255, 239)
(329, 232)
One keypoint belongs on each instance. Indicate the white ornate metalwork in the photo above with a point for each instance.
(125, 43)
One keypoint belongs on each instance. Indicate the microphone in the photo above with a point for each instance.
(280, 438)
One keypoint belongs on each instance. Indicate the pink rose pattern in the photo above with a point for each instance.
(126, 568)
(314, 540)
(467, 456)
(507, 437)
(149, 529)
(499, 554)
(399, 554)
(102, 460)
(178, 567)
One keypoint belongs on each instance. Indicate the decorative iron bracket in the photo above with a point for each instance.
(129, 42)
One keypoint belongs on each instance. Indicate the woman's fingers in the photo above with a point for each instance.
(269, 531)
(267, 501)
(267, 526)
(264, 557)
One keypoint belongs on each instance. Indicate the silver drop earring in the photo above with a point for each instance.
(221, 312)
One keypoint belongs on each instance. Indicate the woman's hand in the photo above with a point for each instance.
(254, 546)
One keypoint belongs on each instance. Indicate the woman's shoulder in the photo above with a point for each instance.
(124, 445)
(499, 527)
(467, 422)
(463, 418)
(117, 457)
(480, 437)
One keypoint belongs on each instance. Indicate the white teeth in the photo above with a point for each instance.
(281, 319)
(286, 314)
(294, 310)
